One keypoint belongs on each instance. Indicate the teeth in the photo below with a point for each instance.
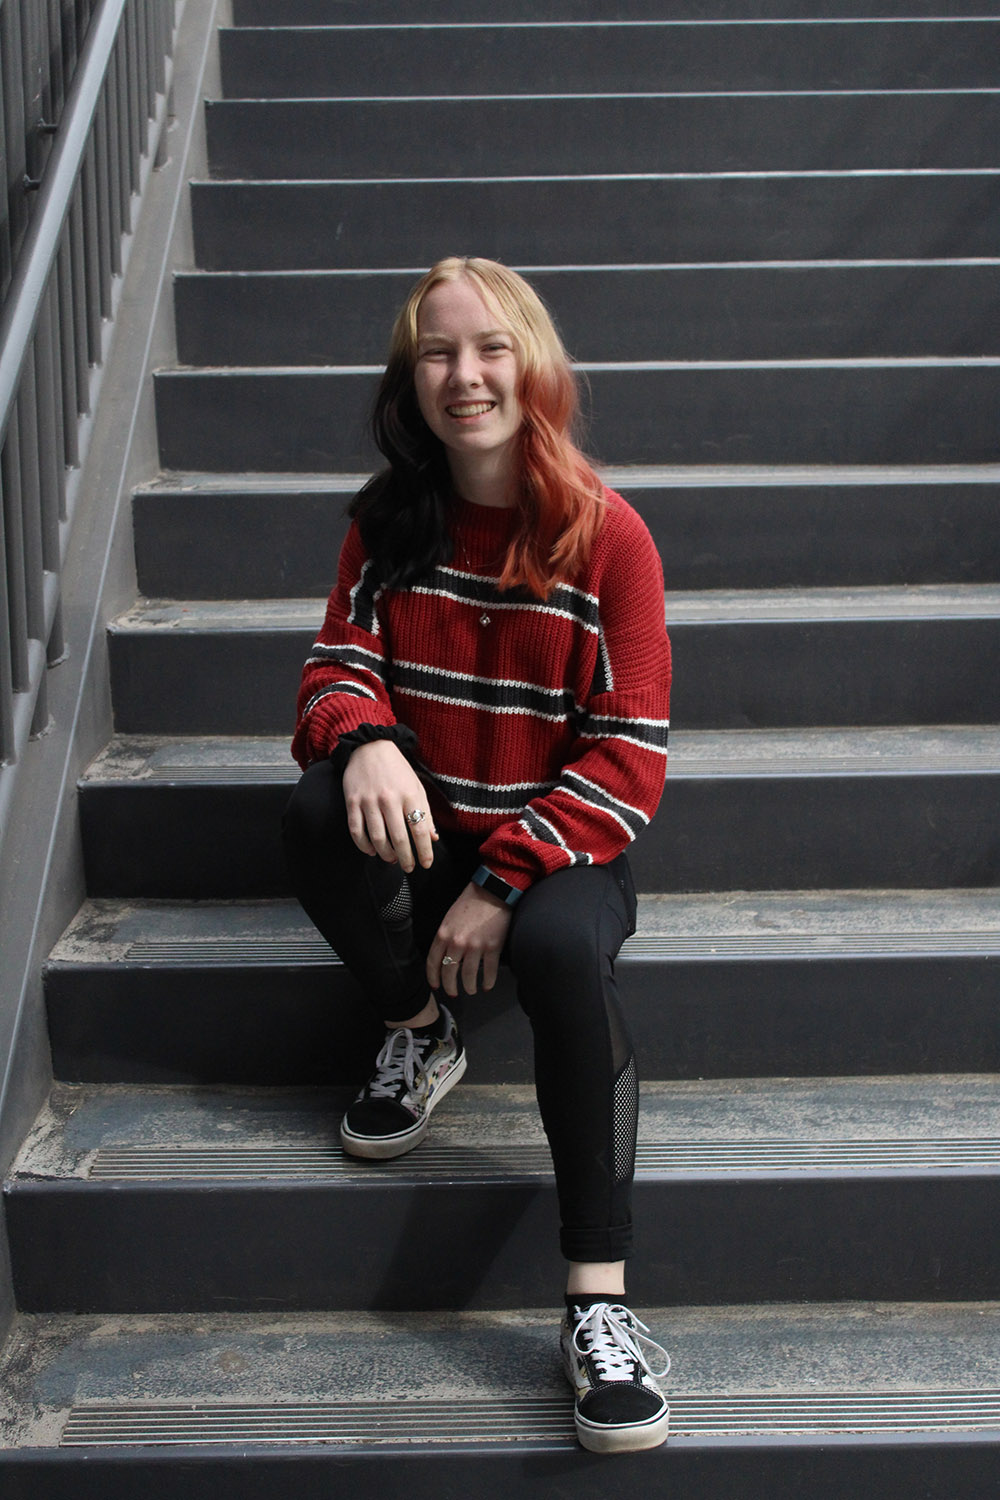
(474, 409)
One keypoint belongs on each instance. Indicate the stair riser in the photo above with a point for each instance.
(314, 421)
(284, 545)
(435, 138)
(141, 1247)
(136, 1023)
(733, 676)
(715, 313)
(288, 64)
(300, 226)
(713, 833)
(933, 1468)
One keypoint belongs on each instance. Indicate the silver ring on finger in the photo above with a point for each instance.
(415, 815)
(448, 960)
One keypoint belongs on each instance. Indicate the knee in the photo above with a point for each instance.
(315, 811)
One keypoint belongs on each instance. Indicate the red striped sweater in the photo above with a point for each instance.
(543, 722)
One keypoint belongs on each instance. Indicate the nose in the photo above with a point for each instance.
(465, 369)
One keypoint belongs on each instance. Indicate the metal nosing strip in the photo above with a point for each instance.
(501, 1161)
(264, 950)
(521, 1420)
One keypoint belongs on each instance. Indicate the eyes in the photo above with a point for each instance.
(490, 349)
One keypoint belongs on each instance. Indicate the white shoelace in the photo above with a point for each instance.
(614, 1340)
(391, 1069)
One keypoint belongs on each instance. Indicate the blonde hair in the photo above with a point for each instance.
(560, 498)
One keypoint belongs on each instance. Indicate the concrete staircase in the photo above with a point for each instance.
(771, 241)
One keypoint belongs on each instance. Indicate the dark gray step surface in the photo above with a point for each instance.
(894, 1368)
(742, 810)
(596, 220)
(742, 659)
(205, 536)
(276, 61)
(776, 983)
(139, 1200)
(811, 412)
(602, 133)
(747, 311)
(754, 12)
(222, 1406)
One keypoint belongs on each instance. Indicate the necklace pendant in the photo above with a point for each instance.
(484, 619)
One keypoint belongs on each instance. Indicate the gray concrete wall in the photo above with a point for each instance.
(41, 865)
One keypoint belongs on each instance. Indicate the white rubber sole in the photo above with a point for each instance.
(385, 1147)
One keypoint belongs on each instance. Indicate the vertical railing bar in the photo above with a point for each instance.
(13, 95)
(81, 330)
(110, 102)
(6, 251)
(8, 748)
(55, 647)
(92, 248)
(141, 72)
(120, 120)
(134, 131)
(50, 441)
(17, 594)
(162, 45)
(31, 499)
(57, 74)
(40, 716)
(70, 44)
(31, 47)
(102, 157)
(68, 339)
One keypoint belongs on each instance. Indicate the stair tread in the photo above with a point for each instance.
(89, 1133)
(737, 1369)
(723, 606)
(638, 476)
(729, 923)
(735, 752)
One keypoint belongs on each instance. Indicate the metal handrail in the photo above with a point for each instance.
(51, 331)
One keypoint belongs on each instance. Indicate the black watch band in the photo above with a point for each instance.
(508, 894)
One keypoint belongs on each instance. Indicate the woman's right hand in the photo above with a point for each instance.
(381, 787)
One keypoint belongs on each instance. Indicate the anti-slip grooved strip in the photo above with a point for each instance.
(680, 766)
(263, 951)
(521, 1420)
(504, 1162)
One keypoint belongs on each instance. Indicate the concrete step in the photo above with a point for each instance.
(883, 411)
(747, 311)
(839, 1397)
(531, 57)
(512, 135)
(754, 12)
(656, 218)
(212, 536)
(743, 659)
(742, 810)
(140, 1200)
(782, 983)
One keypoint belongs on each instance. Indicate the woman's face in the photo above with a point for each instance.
(466, 378)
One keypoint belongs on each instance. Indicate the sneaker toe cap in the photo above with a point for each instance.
(617, 1404)
(377, 1117)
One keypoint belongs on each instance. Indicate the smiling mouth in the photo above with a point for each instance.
(471, 409)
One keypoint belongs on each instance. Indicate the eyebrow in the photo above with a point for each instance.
(487, 333)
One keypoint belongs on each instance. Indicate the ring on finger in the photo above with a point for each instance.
(415, 815)
(448, 960)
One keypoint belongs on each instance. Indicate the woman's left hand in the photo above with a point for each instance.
(474, 931)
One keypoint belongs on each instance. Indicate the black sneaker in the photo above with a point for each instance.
(412, 1074)
(619, 1407)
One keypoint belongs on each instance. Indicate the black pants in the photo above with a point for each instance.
(564, 935)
